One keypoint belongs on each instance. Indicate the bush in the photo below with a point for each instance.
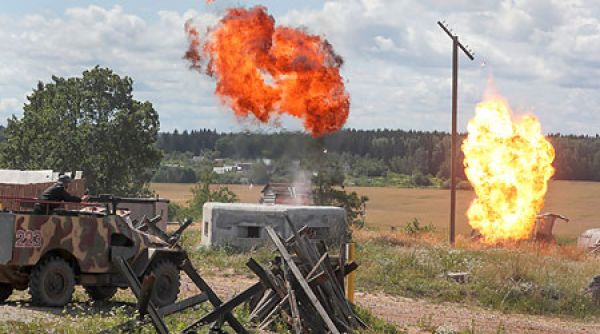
(174, 174)
(460, 184)
(414, 227)
(420, 180)
(180, 213)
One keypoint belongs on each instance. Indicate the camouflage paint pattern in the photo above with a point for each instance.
(86, 237)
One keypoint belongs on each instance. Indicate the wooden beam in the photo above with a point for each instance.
(224, 308)
(298, 275)
(212, 296)
(145, 294)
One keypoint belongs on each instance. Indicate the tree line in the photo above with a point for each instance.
(92, 123)
(372, 152)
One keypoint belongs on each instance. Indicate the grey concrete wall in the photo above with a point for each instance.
(242, 225)
(149, 209)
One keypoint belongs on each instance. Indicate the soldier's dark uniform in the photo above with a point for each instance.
(54, 193)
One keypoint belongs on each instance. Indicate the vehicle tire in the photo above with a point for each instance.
(5, 291)
(166, 284)
(52, 282)
(100, 293)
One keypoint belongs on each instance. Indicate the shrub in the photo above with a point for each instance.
(420, 180)
(414, 227)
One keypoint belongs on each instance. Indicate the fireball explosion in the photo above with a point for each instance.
(509, 163)
(264, 70)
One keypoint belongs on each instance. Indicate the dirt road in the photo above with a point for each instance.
(419, 315)
(416, 316)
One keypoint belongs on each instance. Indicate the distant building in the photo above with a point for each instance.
(238, 167)
(243, 166)
(287, 193)
(223, 169)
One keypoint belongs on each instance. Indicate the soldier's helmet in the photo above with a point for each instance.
(64, 179)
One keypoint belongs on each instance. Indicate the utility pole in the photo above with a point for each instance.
(455, 45)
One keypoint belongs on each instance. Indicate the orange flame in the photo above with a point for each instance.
(264, 70)
(509, 163)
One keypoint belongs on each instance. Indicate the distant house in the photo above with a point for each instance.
(243, 166)
(287, 193)
(224, 169)
(238, 167)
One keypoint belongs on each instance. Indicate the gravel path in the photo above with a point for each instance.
(415, 315)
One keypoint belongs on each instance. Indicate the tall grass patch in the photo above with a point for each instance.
(549, 280)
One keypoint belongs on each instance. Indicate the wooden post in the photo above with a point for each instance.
(455, 45)
(351, 252)
(452, 229)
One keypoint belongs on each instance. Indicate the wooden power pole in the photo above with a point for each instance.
(455, 45)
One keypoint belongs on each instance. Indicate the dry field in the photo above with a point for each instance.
(395, 206)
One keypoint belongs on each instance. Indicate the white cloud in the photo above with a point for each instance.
(8, 104)
(37, 47)
(543, 55)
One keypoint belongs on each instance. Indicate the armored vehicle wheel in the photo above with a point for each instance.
(5, 291)
(100, 292)
(166, 285)
(52, 282)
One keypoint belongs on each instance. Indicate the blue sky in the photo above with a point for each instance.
(542, 55)
(147, 9)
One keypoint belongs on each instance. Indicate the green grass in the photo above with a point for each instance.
(223, 261)
(85, 318)
(519, 279)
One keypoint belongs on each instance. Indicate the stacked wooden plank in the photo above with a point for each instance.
(31, 190)
(304, 287)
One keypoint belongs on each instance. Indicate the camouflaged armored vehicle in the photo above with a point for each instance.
(51, 253)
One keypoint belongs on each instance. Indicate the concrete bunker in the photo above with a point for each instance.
(242, 225)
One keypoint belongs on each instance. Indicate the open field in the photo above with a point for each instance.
(396, 206)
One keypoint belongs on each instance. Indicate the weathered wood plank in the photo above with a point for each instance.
(296, 321)
(224, 308)
(212, 296)
(145, 294)
(298, 275)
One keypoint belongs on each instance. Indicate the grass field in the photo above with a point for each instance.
(396, 206)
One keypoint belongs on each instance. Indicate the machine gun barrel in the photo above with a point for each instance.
(174, 237)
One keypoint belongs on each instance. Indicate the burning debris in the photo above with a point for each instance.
(509, 163)
(266, 70)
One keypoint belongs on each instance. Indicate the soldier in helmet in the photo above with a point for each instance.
(56, 193)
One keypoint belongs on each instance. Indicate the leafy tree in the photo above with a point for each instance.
(328, 189)
(259, 173)
(168, 174)
(202, 193)
(399, 151)
(90, 123)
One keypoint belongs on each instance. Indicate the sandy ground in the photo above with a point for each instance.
(416, 315)
(411, 314)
